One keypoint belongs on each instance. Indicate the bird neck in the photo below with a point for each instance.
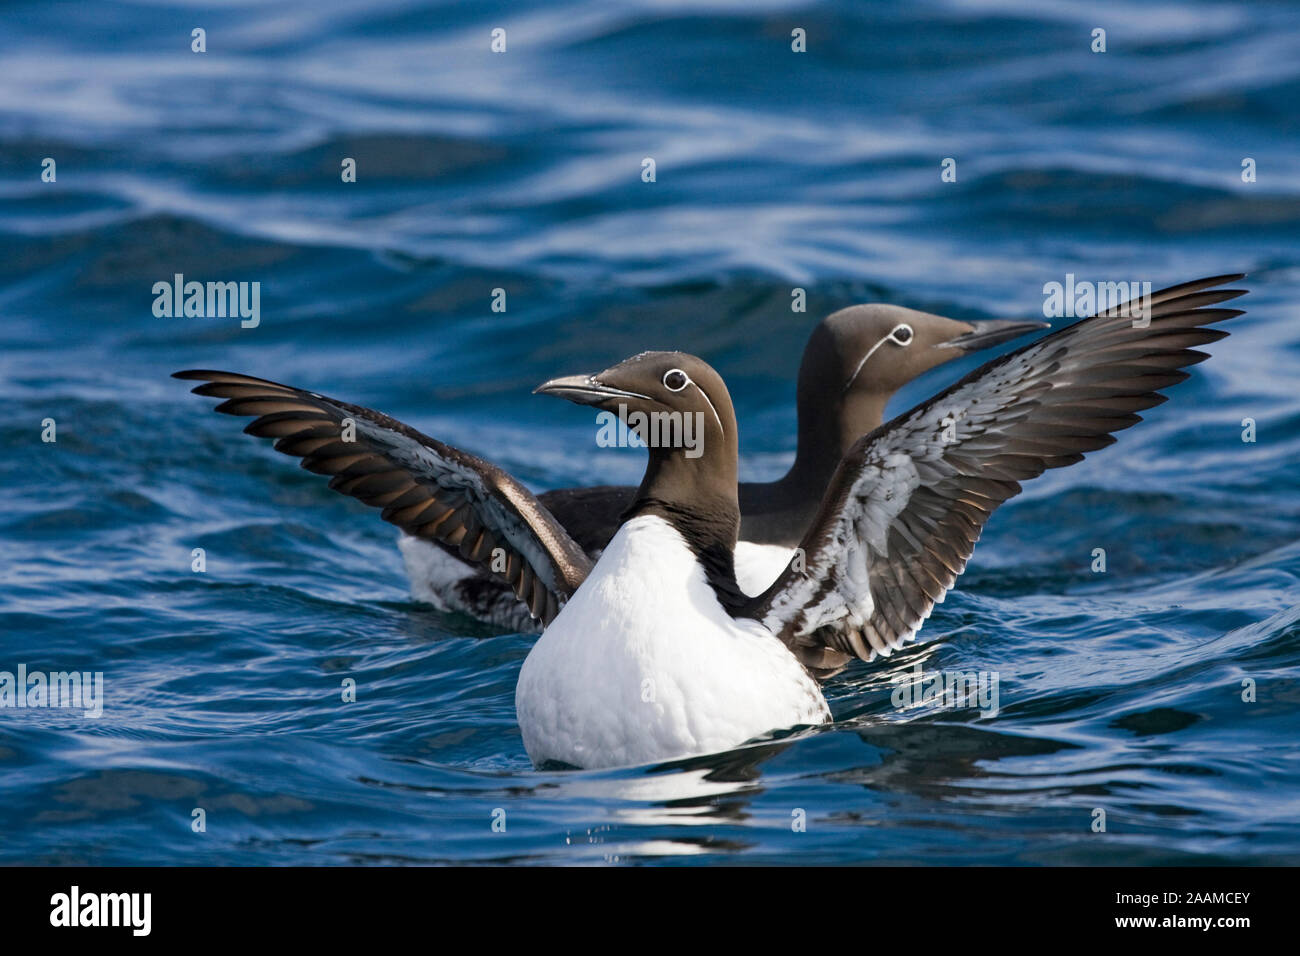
(697, 497)
(829, 425)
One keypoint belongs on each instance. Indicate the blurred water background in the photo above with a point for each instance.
(522, 171)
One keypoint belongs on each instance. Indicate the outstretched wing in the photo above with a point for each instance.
(426, 488)
(909, 500)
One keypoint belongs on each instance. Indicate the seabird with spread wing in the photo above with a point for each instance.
(654, 651)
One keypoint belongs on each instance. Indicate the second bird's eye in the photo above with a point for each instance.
(902, 334)
(675, 380)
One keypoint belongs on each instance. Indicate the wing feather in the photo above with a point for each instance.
(428, 489)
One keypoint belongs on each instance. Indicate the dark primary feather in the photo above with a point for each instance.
(428, 489)
(905, 508)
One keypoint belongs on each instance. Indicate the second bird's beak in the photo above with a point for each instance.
(990, 332)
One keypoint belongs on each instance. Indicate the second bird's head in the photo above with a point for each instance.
(858, 357)
(880, 347)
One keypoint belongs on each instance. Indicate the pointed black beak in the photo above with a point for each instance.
(584, 390)
(991, 332)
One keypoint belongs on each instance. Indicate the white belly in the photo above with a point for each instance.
(758, 565)
(644, 665)
(449, 584)
(433, 572)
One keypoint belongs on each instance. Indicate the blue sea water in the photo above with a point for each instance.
(1120, 691)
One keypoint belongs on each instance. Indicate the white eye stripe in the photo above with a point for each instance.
(900, 334)
(713, 408)
(687, 380)
(870, 352)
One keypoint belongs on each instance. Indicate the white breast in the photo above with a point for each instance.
(449, 584)
(758, 565)
(643, 665)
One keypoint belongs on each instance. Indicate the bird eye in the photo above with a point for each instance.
(675, 380)
(902, 334)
